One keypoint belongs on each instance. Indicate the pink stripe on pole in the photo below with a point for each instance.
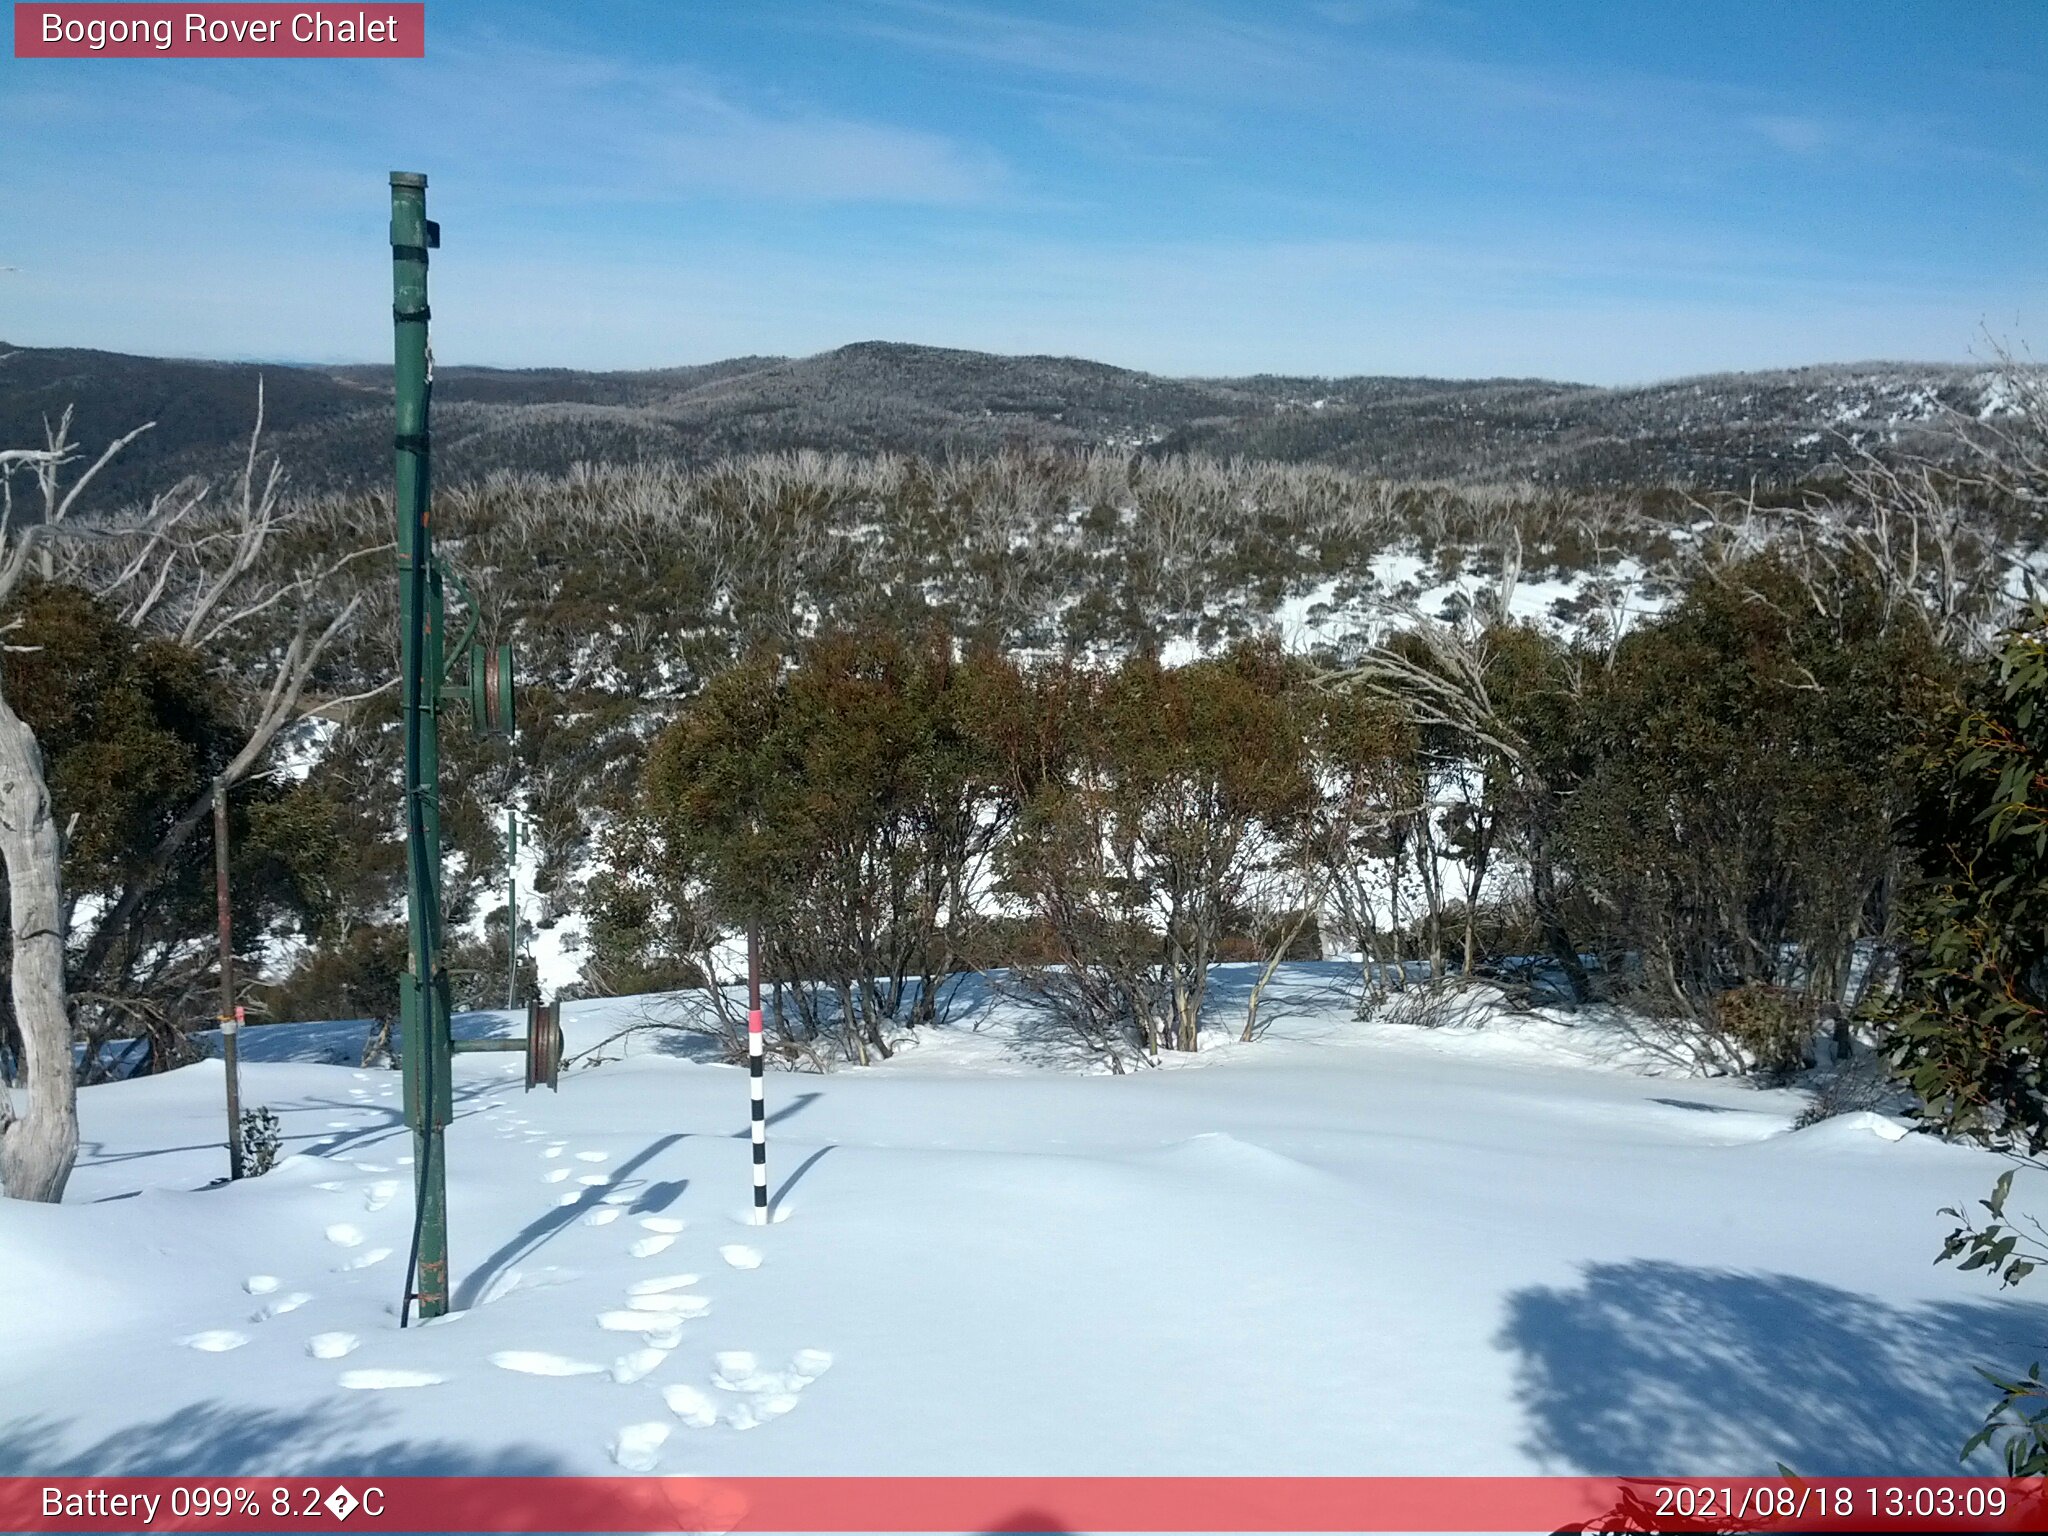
(754, 1021)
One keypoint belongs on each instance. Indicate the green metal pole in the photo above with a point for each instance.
(424, 1009)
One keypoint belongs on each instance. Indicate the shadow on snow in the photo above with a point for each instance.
(1650, 1368)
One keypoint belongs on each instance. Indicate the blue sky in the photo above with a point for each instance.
(1606, 192)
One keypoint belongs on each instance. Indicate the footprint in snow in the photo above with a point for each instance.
(648, 1247)
(554, 1175)
(385, 1379)
(331, 1346)
(740, 1256)
(594, 1180)
(690, 1405)
(673, 1303)
(655, 1326)
(261, 1285)
(663, 1223)
(603, 1216)
(638, 1446)
(810, 1364)
(770, 1405)
(734, 1369)
(660, 1283)
(365, 1260)
(570, 1198)
(290, 1302)
(339, 1125)
(592, 1157)
(534, 1362)
(332, 1186)
(634, 1364)
(215, 1341)
(344, 1235)
(380, 1194)
(373, 1167)
(556, 1149)
(739, 1370)
(516, 1279)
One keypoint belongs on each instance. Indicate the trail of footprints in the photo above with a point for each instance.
(742, 1394)
(278, 1302)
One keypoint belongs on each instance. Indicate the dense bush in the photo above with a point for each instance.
(1707, 803)
(1971, 1019)
(1744, 759)
(133, 729)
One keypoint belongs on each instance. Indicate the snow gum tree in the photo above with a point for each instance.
(1142, 828)
(199, 580)
(1969, 1022)
(843, 805)
(38, 1144)
(1747, 757)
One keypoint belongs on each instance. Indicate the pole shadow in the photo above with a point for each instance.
(795, 1106)
(535, 1233)
(796, 1173)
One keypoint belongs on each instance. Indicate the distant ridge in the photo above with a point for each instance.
(331, 424)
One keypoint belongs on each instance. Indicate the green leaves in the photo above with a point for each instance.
(2020, 1417)
(1744, 759)
(1970, 1024)
(1996, 1204)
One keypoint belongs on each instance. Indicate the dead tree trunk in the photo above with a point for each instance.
(38, 1147)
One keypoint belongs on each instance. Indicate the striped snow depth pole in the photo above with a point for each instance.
(755, 1053)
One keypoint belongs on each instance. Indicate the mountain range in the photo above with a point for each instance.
(331, 423)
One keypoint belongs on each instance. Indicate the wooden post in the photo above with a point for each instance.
(230, 1015)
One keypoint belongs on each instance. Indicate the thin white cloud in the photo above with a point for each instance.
(539, 122)
(1343, 64)
(1797, 135)
(644, 132)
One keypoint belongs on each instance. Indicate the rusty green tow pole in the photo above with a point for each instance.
(425, 661)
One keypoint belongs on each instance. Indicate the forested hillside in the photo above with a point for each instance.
(331, 424)
(1443, 725)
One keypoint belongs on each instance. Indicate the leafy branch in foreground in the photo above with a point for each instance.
(1970, 1023)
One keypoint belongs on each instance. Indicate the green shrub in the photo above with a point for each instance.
(1773, 1027)
(262, 1138)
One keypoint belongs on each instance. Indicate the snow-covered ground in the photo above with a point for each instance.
(1345, 1248)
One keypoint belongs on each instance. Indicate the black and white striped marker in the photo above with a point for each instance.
(755, 1054)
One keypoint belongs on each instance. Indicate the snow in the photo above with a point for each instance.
(1349, 1247)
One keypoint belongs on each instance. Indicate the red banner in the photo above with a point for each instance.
(1020, 1504)
(212, 31)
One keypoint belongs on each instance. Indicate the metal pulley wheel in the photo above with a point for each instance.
(543, 1045)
